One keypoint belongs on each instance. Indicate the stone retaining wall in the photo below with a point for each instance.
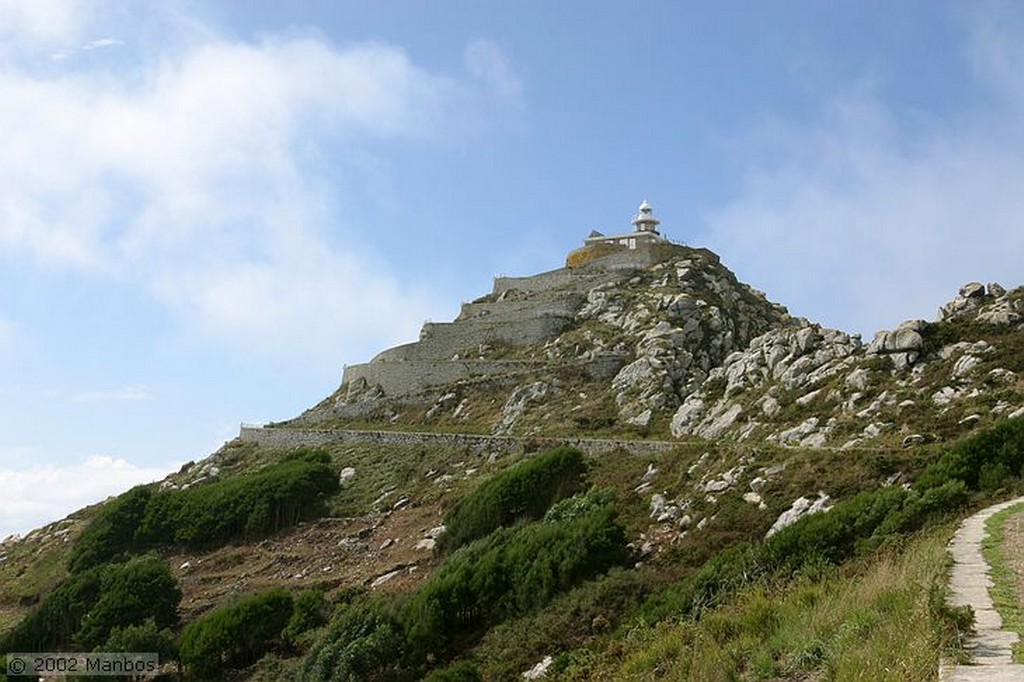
(284, 439)
(409, 377)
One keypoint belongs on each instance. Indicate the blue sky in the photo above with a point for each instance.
(206, 209)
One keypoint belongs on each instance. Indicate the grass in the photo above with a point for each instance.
(1004, 588)
(880, 618)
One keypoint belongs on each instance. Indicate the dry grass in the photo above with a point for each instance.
(875, 620)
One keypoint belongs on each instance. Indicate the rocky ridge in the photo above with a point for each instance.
(673, 344)
(811, 386)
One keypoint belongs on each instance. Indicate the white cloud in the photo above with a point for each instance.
(101, 43)
(868, 218)
(42, 20)
(39, 495)
(486, 61)
(207, 178)
(119, 395)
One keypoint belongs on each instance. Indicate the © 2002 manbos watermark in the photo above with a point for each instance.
(71, 663)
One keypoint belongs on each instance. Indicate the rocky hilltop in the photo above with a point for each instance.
(732, 468)
(664, 341)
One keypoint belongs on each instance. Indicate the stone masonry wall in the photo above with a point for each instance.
(442, 340)
(415, 376)
(285, 439)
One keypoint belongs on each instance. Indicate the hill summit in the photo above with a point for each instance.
(638, 336)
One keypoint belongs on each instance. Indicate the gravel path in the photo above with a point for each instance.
(990, 647)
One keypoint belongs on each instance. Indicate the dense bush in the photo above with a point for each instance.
(835, 534)
(463, 671)
(364, 641)
(131, 593)
(235, 634)
(249, 505)
(310, 612)
(89, 606)
(144, 637)
(513, 571)
(985, 461)
(111, 534)
(523, 492)
(920, 508)
(580, 504)
(52, 624)
(591, 609)
(853, 526)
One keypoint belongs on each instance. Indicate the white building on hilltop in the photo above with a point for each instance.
(645, 231)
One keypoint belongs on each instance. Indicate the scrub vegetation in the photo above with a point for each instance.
(542, 558)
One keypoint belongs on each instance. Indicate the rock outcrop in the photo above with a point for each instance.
(802, 385)
(666, 340)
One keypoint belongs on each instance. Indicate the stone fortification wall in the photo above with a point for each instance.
(284, 439)
(520, 311)
(534, 283)
(415, 376)
(442, 340)
(446, 338)
(543, 303)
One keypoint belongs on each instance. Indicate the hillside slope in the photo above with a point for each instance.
(764, 421)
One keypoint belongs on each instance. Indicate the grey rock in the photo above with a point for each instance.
(857, 379)
(965, 364)
(903, 339)
(516, 404)
(1001, 376)
(798, 432)
(802, 506)
(972, 290)
(721, 422)
(716, 486)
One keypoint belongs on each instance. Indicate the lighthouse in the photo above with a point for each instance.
(645, 220)
(645, 231)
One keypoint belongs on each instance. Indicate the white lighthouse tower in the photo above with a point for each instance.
(645, 220)
(645, 231)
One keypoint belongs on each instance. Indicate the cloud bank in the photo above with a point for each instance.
(208, 175)
(38, 495)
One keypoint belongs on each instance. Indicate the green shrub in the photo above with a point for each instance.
(52, 624)
(144, 637)
(580, 504)
(852, 526)
(463, 671)
(724, 572)
(985, 461)
(311, 611)
(512, 572)
(131, 593)
(235, 634)
(245, 506)
(364, 641)
(833, 535)
(89, 606)
(523, 492)
(111, 534)
(920, 508)
(591, 609)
